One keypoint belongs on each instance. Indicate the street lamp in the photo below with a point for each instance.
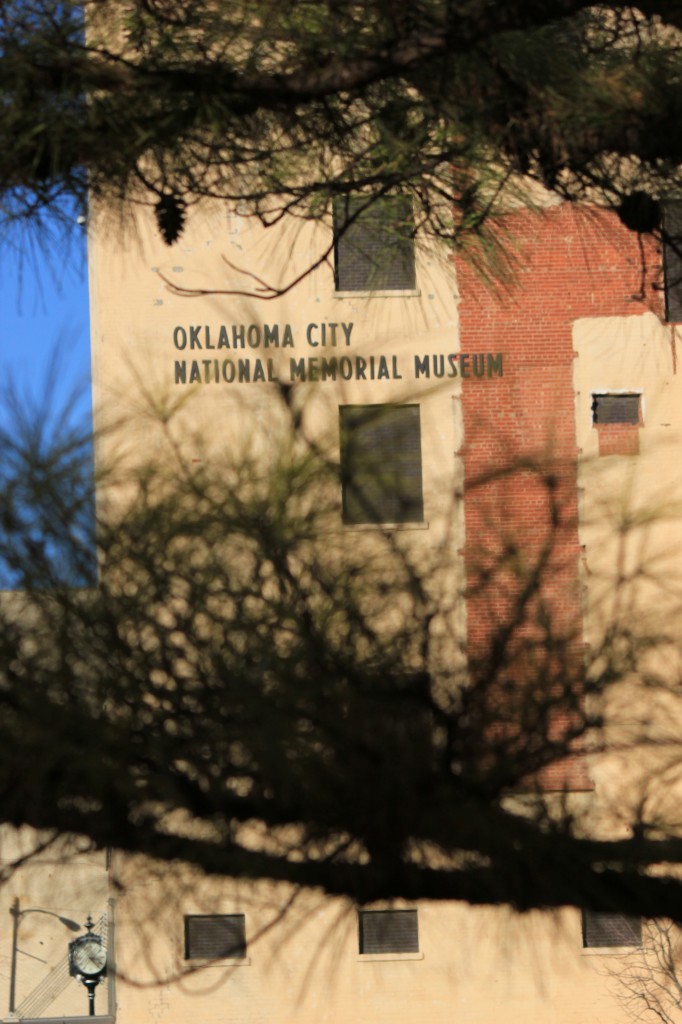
(17, 915)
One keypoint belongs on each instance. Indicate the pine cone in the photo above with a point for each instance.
(170, 216)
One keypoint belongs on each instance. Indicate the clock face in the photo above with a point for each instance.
(88, 955)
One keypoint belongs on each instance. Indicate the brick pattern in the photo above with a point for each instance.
(618, 439)
(519, 456)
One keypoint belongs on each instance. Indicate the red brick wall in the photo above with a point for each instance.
(618, 438)
(519, 457)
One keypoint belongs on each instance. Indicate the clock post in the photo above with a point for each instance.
(91, 984)
(88, 961)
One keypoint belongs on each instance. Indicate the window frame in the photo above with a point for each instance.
(357, 508)
(389, 954)
(352, 216)
(600, 919)
(613, 394)
(220, 959)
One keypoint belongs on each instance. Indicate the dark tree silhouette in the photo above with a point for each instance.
(244, 691)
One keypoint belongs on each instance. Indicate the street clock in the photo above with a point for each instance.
(88, 956)
(88, 961)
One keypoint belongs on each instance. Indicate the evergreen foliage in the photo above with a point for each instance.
(283, 105)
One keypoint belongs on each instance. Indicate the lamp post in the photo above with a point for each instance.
(17, 915)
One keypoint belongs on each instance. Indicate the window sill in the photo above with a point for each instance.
(244, 961)
(381, 957)
(398, 293)
(609, 950)
(355, 527)
(101, 1018)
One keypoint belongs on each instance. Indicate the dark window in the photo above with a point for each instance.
(609, 408)
(215, 936)
(608, 929)
(381, 464)
(374, 244)
(672, 259)
(388, 931)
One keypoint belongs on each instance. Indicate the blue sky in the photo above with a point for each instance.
(45, 396)
(45, 316)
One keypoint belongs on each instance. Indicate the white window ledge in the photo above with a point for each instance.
(385, 526)
(398, 293)
(609, 950)
(243, 961)
(376, 957)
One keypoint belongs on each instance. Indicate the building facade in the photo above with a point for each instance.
(490, 430)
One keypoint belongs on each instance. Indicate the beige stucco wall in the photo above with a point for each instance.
(630, 515)
(142, 328)
(303, 962)
(631, 531)
(134, 354)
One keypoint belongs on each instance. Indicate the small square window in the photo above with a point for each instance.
(672, 259)
(374, 244)
(610, 929)
(381, 464)
(388, 931)
(616, 408)
(215, 937)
